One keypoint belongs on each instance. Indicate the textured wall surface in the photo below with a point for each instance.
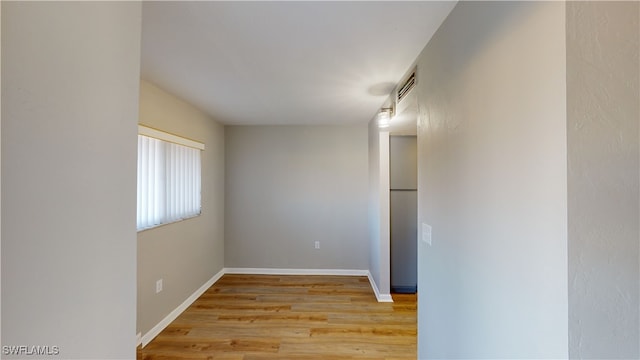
(70, 78)
(603, 107)
(184, 254)
(492, 183)
(289, 186)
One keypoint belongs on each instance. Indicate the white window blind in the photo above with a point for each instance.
(169, 179)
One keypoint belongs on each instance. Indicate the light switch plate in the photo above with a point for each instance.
(426, 233)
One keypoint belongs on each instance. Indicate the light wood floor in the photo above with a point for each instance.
(261, 317)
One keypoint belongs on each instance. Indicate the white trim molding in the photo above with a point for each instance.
(379, 296)
(273, 271)
(151, 334)
(163, 135)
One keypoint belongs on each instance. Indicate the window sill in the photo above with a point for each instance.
(169, 223)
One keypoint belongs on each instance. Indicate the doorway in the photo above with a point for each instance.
(403, 180)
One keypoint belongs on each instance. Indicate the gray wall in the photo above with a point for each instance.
(492, 183)
(185, 254)
(403, 169)
(289, 186)
(69, 107)
(603, 74)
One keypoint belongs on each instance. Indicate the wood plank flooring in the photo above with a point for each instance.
(266, 317)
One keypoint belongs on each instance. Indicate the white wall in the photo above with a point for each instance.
(186, 254)
(492, 183)
(289, 186)
(603, 103)
(70, 78)
(379, 209)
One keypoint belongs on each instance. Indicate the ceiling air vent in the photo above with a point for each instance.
(407, 85)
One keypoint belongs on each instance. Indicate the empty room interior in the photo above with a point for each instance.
(320, 180)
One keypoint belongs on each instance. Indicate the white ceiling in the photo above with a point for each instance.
(276, 63)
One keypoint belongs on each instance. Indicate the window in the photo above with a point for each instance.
(169, 178)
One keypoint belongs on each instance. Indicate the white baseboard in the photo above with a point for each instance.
(272, 271)
(138, 339)
(379, 296)
(151, 334)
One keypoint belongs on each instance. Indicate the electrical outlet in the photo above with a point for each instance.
(317, 245)
(158, 286)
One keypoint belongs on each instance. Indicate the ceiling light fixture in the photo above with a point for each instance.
(384, 117)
